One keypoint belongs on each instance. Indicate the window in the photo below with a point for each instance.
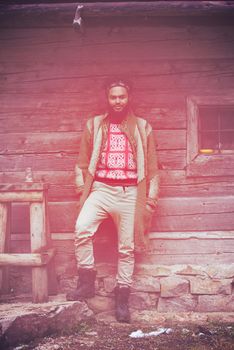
(210, 136)
(216, 129)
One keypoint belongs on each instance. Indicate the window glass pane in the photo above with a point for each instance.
(227, 140)
(209, 139)
(208, 118)
(227, 119)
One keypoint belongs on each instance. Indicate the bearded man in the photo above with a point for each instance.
(117, 177)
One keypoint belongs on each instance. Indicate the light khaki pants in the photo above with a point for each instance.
(118, 202)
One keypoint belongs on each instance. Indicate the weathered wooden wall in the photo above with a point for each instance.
(52, 80)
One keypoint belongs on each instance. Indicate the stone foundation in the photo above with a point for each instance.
(175, 288)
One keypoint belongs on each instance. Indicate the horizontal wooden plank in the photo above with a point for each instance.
(62, 192)
(18, 143)
(58, 162)
(154, 236)
(63, 216)
(100, 35)
(38, 119)
(61, 183)
(163, 71)
(44, 121)
(182, 83)
(27, 259)
(179, 177)
(26, 186)
(50, 177)
(161, 114)
(189, 46)
(216, 165)
(219, 188)
(43, 113)
(195, 205)
(181, 214)
(199, 259)
(173, 214)
(173, 159)
(190, 246)
(75, 99)
(52, 121)
(196, 222)
(65, 256)
(40, 102)
(42, 70)
(20, 221)
(65, 252)
(176, 183)
(119, 9)
(31, 196)
(171, 182)
(170, 139)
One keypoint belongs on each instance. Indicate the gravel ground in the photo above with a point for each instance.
(97, 336)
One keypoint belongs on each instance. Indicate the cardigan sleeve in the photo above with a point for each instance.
(83, 158)
(152, 171)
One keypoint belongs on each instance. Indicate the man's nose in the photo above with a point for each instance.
(117, 100)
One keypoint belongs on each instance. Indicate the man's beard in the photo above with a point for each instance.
(118, 115)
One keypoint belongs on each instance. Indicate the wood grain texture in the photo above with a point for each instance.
(124, 8)
(216, 165)
(173, 214)
(20, 143)
(38, 237)
(26, 259)
(52, 81)
(198, 259)
(5, 218)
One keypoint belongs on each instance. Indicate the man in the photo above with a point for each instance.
(117, 176)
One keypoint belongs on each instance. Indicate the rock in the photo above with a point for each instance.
(221, 317)
(169, 270)
(23, 322)
(109, 284)
(190, 270)
(141, 301)
(68, 284)
(146, 284)
(187, 317)
(149, 317)
(106, 317)
(220, 271)
(155, 318)
(100, 303)
(208, 286)
(174, 286)
(209, 303)
(152, 270)
(180, 304)
(105, 270)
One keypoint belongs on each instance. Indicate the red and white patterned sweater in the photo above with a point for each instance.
(117, 164)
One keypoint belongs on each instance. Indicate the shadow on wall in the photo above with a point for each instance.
(106, 243)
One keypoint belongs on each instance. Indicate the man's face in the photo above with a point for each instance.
(118, 99)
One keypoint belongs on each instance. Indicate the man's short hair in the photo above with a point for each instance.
(116, 81)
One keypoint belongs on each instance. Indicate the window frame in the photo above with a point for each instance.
(199, 164)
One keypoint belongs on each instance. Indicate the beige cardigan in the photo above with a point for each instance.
(140, 135)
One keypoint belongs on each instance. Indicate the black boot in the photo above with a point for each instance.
(85, 285)
(121, 303)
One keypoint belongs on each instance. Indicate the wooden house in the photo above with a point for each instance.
(179, 56)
